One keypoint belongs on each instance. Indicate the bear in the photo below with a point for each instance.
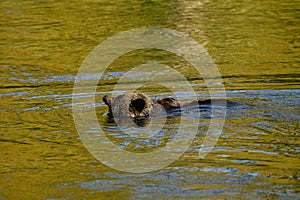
(137, 104)
(130, 104)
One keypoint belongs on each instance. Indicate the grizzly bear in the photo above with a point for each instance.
(138, 104)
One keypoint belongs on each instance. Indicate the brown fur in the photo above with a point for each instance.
(137, 104)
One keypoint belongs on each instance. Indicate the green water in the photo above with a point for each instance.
(255, 45)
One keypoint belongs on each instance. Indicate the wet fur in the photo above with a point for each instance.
(138, 104)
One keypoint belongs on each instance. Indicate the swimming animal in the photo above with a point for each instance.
(138, 104)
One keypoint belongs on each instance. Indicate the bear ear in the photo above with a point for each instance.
(107, 100)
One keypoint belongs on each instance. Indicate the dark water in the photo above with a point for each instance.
(255, 45)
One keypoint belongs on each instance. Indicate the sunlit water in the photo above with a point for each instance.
(255, 45)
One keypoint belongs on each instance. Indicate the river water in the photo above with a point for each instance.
(255, 45)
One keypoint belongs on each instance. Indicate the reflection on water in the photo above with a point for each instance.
(256, 47)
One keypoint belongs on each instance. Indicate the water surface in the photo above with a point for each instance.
(255, 45)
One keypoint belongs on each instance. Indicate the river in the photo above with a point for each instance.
(255, 45)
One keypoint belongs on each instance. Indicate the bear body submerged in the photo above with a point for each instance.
(138, 104)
